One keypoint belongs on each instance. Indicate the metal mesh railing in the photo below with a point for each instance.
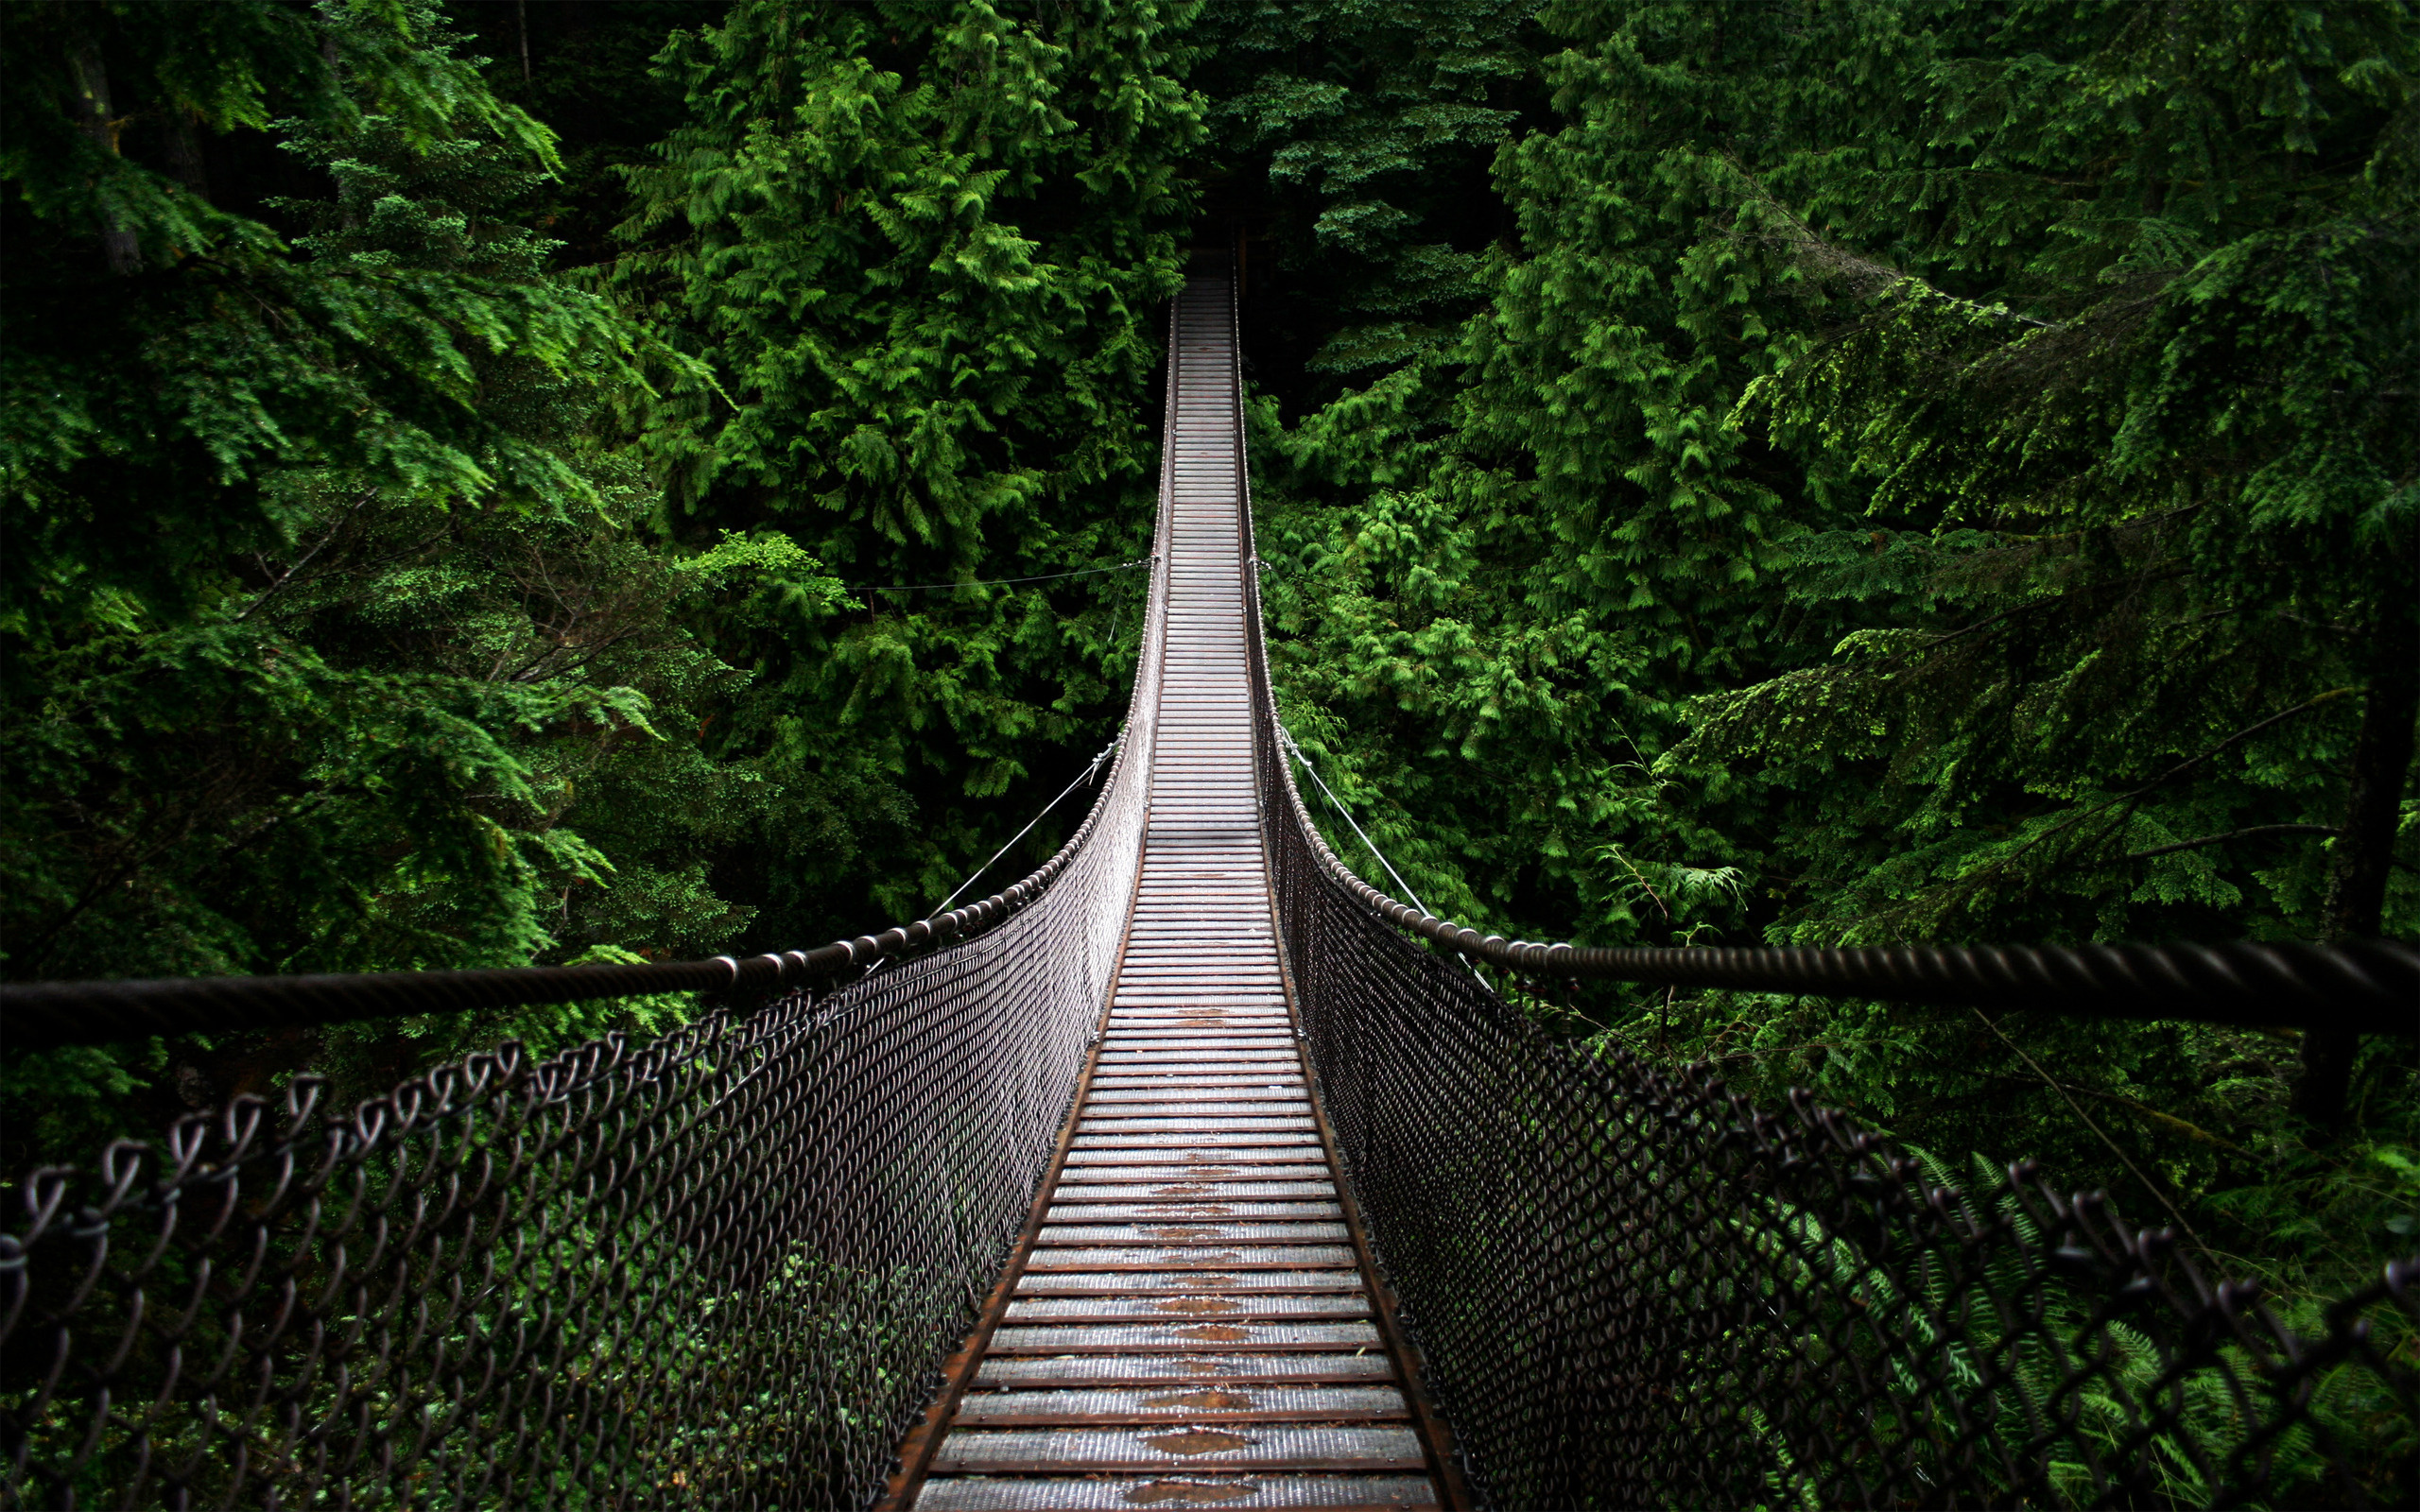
(1630, 1287)
(722, 1268)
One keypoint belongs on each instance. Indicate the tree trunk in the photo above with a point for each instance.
(118, 247)
(184, 153)
(2364, 855)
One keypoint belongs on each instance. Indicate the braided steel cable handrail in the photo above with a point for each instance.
(2369, 986)
(45, 1015)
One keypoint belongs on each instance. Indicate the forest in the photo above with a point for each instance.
(537, 481)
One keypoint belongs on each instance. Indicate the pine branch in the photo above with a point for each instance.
(2254, 831)
(2049, 601)
(2157, 1195)
(2168, 1121)
(2130, 800)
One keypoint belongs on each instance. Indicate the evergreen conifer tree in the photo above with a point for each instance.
(334, 642)
(924, 253)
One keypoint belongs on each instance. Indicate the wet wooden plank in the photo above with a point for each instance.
(1276, 1447)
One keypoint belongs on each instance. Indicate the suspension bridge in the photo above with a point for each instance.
(1189, 1171)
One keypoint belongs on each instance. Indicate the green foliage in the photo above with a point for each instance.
(1352, 140)
(347, 627)
(333, 641)
(1921, 471)
(923, 251)
(157, 388)
(587, 71)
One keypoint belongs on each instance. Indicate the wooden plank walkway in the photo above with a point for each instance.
(1191, 1323)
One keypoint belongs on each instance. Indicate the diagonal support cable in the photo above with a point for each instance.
(1090, 773)
(997, 583)
(1286, 738)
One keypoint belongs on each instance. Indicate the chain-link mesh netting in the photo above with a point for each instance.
(720, 1268)
(1635, 1289)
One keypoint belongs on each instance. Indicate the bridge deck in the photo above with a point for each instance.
(1190, 1324)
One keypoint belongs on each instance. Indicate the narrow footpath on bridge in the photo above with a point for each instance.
(1190, 1319)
